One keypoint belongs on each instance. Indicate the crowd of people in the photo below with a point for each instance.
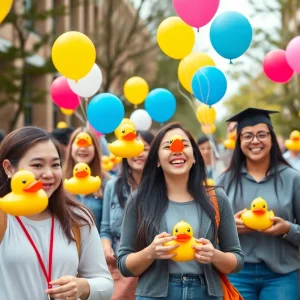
(126, 247)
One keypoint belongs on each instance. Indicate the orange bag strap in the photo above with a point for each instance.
(77, 236)
(213, 198)
(3, 224)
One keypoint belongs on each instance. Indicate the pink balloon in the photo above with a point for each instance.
(276, 66)
(196, 13)
(62, 95)
(293, 54)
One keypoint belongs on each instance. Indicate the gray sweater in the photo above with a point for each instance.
(154, 281)
(279, 254)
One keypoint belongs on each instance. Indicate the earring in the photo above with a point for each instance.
(158, 165)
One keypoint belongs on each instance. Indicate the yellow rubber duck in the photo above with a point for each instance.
(83, 139)
(209, 182)
(184, 233)
(107, 164)
(230, 142)
(293, 144)
(82, 183)
(27, 196)
(258, 217)
(126, 146)
(115, 159)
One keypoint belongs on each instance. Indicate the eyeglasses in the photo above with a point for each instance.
(248, 137)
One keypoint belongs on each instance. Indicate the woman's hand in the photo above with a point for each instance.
(240, 226)
(109, 254)
(157, 250)
(279, 227)
(204, 253)
(70, 288)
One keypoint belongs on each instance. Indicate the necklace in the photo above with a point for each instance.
(187, 212)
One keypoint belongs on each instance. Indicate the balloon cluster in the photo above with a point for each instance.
(280, 65)
(74, 56)
(230, 35)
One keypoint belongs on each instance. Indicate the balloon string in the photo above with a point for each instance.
(190, 101)
(79, 117)
(83, 112)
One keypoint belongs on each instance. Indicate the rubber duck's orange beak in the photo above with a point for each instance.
(183, 237)
(33, 187)
(258, 211)
(81, 174)
(177, 146)
(129, 137)
(82, 143)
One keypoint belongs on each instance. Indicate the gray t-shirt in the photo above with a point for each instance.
(188, 212)
(21, 276)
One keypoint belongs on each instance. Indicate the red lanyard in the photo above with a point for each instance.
(49, 275)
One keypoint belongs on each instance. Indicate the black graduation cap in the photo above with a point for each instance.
(252, 116)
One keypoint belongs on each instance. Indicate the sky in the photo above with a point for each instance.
(203, 43)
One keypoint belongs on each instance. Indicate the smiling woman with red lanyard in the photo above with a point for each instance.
(39, 258)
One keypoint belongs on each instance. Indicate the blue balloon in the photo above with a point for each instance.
(160, 105)
(209, 85)
(105, 112)
(231, 34)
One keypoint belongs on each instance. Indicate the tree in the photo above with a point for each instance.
(259, 91)
(15, 71)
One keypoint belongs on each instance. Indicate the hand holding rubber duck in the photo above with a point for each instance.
(258, 217)
(184, 238)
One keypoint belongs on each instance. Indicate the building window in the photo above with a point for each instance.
(29, 23)
(28, 109)
(28, 114)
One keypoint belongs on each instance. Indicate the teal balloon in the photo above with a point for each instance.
(105, 112)
(231, 34)
(209, 85)
(160, 105)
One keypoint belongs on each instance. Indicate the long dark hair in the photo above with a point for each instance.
(125, 180)
(13, 148)
(152, 198)
(239, 159)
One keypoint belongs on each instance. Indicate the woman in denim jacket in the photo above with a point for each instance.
(90, 155)
(117, 191)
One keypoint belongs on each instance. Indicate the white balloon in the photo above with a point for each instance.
(141, 119)
(89, 85)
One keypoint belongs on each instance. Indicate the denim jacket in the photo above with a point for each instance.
(112, 214)
(154, 281)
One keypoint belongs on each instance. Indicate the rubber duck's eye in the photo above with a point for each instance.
(23, 181)
(176, 230)
(123, 131)
(171, 141)
(76, 169)
(188, 230)
(253, 205)
(264, 206)
(86, 168)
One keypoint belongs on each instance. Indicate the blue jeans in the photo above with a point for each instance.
(185, 287)
(258, 282)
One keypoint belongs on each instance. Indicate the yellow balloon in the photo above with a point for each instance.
(190, 65)
(136, 90)
(61, 125)
(175, 38)
(67, 112)
(5, 7)
(206, 115)
(208, 128)
(73, 55)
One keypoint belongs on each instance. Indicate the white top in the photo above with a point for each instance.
(21, 276)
